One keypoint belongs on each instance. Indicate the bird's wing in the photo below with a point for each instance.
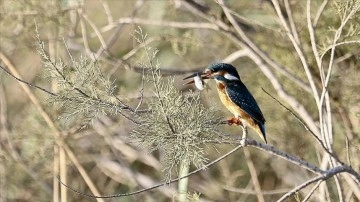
(240, 95)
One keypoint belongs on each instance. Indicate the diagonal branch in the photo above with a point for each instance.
(323, 177)
(158, 185)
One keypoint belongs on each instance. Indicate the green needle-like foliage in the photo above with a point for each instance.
(178, 125)
(84, 92)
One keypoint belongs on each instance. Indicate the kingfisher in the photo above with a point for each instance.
(235, 96)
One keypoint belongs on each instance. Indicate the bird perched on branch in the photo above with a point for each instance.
(234, 95)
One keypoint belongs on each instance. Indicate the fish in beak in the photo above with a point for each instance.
(198, 79)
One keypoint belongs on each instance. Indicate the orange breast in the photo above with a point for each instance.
(233, 108)
(237, 111)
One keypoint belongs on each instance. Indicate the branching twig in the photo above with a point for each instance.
(306, 127)
(173, 24)
(158, 185)
(307, 197)
(350, 170)
(293, 159)
(299, 52)
(254, 176)
(25, 82)
(323, 177)
(110, 105)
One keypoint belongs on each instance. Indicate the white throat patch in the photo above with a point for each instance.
(230, 77)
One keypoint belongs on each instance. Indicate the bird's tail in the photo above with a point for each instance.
(261, 132)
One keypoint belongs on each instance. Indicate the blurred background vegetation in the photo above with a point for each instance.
(102, 156)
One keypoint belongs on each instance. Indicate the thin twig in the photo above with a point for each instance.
(319, 12)
(235, 55)
(293, 159)
(253, 175)
(172, 24)
(323, 177)
(313, 39)
(141, 91)
(291, 21)
(158, 185)
(253, 192)
(96, 30)
(299, 51)
(306, 127)
(84, 34)
(307, 197)
(115, 34)
(25, 82)
(124, 106)
(107, 11)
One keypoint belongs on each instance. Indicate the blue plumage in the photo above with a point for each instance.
(235, 96)
(240, 95)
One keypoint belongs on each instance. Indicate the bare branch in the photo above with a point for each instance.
(299, 51)
(313, 39)
(319, 12)
(235, 55)
(323, 177)
(293, 159)
(306, 127)
(307, 197)
(172, 24)
(291, 21)
(158, 185)
(254, 176)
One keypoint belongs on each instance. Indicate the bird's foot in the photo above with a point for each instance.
(234, 121)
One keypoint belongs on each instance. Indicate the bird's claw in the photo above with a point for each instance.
(234, 121)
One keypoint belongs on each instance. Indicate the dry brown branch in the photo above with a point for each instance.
(235, 55)
(56, 166)
(4, 132)
(293, 159)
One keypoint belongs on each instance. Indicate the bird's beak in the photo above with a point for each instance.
(201, 74)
